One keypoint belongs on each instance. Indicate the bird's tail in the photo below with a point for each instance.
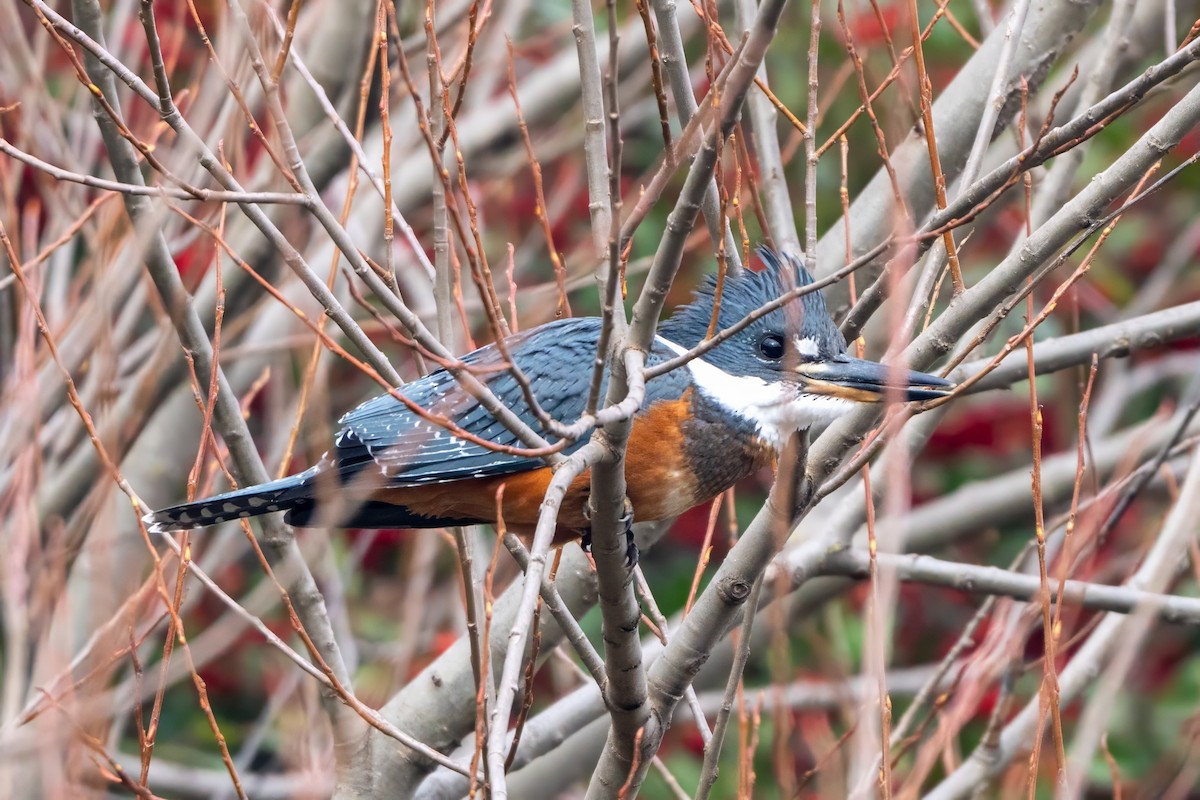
(281, 495)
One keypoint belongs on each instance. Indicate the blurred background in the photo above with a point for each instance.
(105, 695)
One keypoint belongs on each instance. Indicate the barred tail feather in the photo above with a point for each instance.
(280, 495)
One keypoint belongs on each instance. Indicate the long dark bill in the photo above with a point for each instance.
(870, 381)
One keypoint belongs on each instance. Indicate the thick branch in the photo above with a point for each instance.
(956, 116)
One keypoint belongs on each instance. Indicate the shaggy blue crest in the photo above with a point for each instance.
(806, 320)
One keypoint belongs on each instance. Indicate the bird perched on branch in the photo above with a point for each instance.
(701, 428)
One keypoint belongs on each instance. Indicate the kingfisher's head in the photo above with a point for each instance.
(787, 370)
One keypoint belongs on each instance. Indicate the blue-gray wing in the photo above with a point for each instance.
(410, 450)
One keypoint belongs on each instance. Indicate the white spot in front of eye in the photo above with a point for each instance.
(805, 346)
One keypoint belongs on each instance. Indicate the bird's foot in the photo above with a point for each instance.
(585, 539)
(626, 523)
(631, 548)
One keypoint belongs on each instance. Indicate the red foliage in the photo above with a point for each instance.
(688, 531)
(384, 547)
(865, 28)
(195, 259)
(1000, 427)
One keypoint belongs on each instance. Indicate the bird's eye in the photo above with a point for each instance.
(770, 346)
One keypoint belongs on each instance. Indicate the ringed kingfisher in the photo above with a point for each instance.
(701, 428)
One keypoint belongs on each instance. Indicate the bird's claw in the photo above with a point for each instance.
(631, 548)
(626, 522)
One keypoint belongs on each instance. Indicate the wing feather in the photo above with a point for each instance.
(413, 451)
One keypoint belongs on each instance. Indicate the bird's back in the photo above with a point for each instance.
(412, 443)
(411, 448)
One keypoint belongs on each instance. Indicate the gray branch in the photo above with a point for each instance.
(1156, 572)
(980, 580)
(957, 113)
